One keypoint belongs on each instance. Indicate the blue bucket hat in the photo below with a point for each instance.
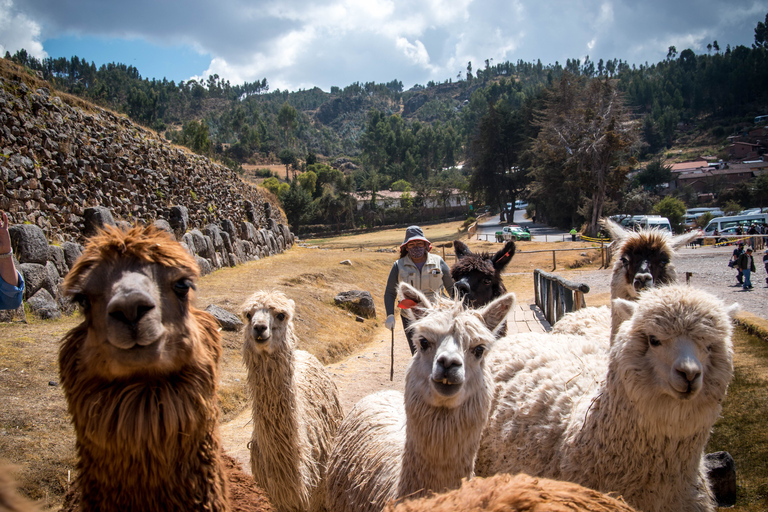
(414, 233)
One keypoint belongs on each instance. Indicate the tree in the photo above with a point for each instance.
(673, 209)
(585, 141)
(731, 208)
(308, 181)
(495, 156)
(655, 174)
(272, 184)
(761, 33)
(672, 53)
(297, 204)
(286, 119)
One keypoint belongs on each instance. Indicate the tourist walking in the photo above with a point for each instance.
(747, 265)
(738, 251)
(11, 282)
(421, 269)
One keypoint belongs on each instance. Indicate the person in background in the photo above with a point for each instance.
(11, 282)
(573, 234)
(765, 264)
(421, 269)
(738, 251)
(747, 265)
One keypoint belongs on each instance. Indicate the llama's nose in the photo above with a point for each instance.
(130, 307)
(688, 369)
(259, 330)
(449, 362)
(462, 289)
(643, 277)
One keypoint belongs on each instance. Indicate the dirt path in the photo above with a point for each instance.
(361, 374)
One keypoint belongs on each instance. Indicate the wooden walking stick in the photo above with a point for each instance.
(392, 358)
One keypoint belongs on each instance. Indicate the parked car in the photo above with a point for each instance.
(512, 232)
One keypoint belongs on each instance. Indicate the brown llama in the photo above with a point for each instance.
(140, 377)
(519, 493)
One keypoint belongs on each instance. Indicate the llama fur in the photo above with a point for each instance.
(296, 408)
(635, 422)
(644, 260)
(10, 499)
(140, 377)
(392, 445)
(519, 493)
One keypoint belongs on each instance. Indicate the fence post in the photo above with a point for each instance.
(554, 262)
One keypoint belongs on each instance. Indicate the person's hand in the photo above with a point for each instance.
(389, 323)
(5, 238)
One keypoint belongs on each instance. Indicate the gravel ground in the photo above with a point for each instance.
(709, 271)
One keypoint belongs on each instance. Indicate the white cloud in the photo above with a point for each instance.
(17, 32)
(416, 51)
(301, 43)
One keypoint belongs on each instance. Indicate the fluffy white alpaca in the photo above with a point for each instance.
(296, 408)
(643, 260)
(634, 422)
(390, 445)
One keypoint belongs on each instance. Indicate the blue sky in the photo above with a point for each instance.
(305, 43)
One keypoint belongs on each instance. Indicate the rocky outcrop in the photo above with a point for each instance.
(66, 171)
(57, 160)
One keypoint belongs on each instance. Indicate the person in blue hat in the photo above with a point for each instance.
(11, 282)
(421, 269)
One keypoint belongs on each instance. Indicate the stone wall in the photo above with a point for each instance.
(65, 171)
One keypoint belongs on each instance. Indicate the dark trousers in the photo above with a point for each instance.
(408, 333)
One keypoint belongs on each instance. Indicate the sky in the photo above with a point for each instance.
(301, 44)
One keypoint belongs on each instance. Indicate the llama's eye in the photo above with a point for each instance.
(624, 261)
(424, 344)
(182, 287)
(281, 316)
(709, 348)
(478, 351)
(654, 341)
(248, 315)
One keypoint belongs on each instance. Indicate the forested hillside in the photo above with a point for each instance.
(507, 122)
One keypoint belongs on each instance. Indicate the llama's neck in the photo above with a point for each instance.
(271, 384)
(440, 443)
(149, 446)
(617, 447)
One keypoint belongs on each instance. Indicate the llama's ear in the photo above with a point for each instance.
(733, 309)
(615, 229)
(684, 239)
(414, 304)
(622, 310)
(495, 312)
(461, 249)
(504, 256)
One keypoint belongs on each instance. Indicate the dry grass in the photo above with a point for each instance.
(741, 430)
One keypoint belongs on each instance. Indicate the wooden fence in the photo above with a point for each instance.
(556, 296)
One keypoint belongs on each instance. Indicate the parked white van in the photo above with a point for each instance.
(721, 223)
(644, 221)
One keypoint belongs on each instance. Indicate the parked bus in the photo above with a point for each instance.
(721, 223)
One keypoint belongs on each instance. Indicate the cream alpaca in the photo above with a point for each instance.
(635, 422)
(391, 445)
(296, 408)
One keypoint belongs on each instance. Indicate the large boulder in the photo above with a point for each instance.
(358, 302)
(29, 243)
(179, 220)
(43, 305)
(228, 321)
(721, 471)
(97, 217)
